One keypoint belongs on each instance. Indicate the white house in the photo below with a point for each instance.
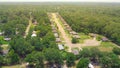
(33, 35)
(60, 46)
(90, 65)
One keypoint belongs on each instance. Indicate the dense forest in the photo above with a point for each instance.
(41, 51)
(100, 19)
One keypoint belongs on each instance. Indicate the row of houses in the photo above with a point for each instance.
(68, 28)
(54, 29)
(56, 34)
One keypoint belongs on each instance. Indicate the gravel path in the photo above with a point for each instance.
(67, 39)
(27, 29)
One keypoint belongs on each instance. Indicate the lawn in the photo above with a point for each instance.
(104, 46)
(83, 37)
(107, 46)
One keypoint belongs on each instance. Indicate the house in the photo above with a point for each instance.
(104, 39)
(5, 52)
(60, 46)
(75, 51)
(33, 34)
(53, 28)
(1, 33)
(65, 24)
(92, 35)
(7, 39)
(68, 28)
(56, 35)
(58, 40)
(35, 22)
(76, 36)
(54, 31)
(90, 65)
(73, 33)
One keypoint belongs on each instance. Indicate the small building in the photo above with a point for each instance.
(58, 40)
(53, 28)
(1, 33)
(92, 35)
(73, 33)
(33, 35)
(104, 39)
(56, 35)
(54, 31)
(5, 52)
(35, 22)
(68, 28)
(60, 46)
(52, 25)
(65, 24)
(90, 65)
(76, 36)
(7, 39)
(75, 51)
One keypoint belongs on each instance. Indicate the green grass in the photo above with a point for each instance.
(107, 44)
(2, 41)
(64, 54)
(5, 47)
(104, 46)
(83, 37)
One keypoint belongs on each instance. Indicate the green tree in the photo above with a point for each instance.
(83, 63)
(74, 40)
(116, 50)
(53, 56)
(36, 58)
(110, 60)
(12, 58)
(1, 60)
(70, 60)
(20, 46)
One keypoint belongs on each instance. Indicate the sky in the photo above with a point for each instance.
(59, 0)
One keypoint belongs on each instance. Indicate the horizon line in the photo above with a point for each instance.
(57, 1)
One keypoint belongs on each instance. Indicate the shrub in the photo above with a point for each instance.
(116, 50)
(74, 40)
(83, 63)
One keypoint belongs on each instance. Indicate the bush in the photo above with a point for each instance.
(74, 40)
(116, 50)
(83, 63)
(99, 38)
(70, 60)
